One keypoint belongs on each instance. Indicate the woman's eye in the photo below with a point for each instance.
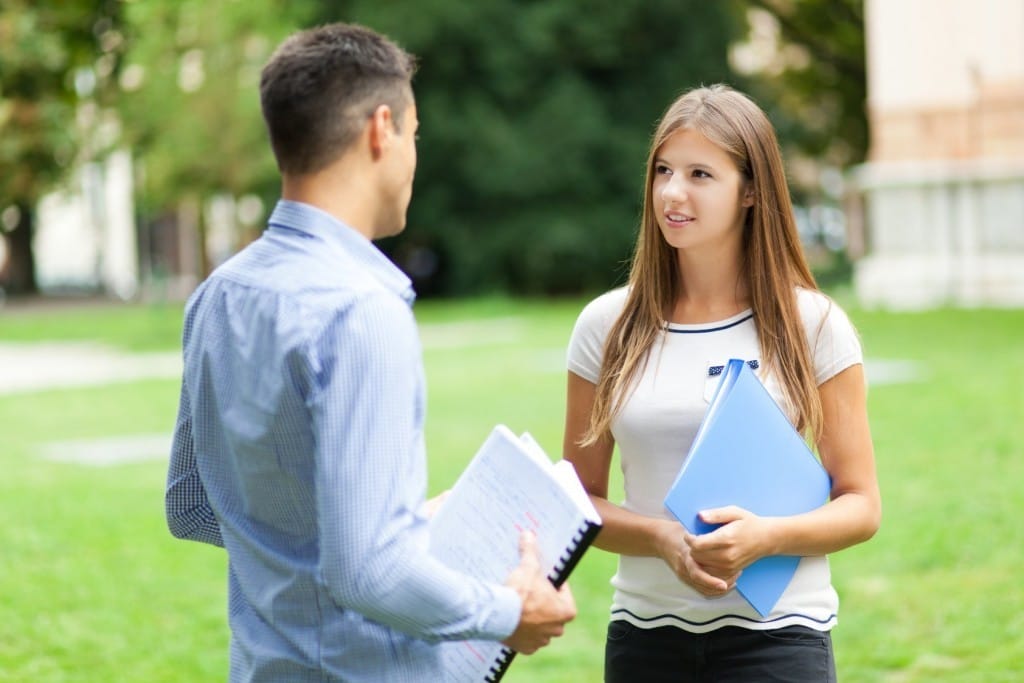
(662, 169)
(700, 173)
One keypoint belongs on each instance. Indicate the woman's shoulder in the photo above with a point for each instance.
(815, 306)
(605, 309)
(586, 346)
(809, 300)
(832, 338)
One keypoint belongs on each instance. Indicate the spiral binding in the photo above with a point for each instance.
(567, 562)
(559, 573)
(501, 664)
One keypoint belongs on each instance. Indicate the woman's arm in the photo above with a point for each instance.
(625, 532)
(852, 515)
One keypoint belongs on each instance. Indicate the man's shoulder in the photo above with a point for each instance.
(303, 288)
(301, 273)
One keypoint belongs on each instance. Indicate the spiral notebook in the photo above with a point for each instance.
(747, 453)
(510, 486)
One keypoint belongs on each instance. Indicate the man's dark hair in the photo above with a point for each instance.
(320, 86)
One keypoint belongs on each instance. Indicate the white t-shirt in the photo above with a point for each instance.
(654, 430)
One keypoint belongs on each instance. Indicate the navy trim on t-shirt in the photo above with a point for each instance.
(710, 329)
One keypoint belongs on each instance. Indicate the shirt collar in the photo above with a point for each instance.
(319, 224)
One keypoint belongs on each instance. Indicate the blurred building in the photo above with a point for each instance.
(85, 235)
(938, 216)
(89, 238)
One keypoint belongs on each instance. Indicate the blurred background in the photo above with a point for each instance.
(133, 160)
(133, 157)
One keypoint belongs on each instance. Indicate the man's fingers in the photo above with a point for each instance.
(529, 560)
(434, 504)
(568, 601)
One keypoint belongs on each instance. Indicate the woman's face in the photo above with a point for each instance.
(699, 196)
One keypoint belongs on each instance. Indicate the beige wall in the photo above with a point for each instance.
(946, 79)
(937, 213)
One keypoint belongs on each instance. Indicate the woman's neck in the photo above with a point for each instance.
(711, 289)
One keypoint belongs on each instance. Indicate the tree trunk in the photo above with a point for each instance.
(19, 274)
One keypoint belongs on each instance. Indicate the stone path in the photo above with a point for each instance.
(48, 366)
(104, 452)
(39, 366)
(58, 365)
(42, 366)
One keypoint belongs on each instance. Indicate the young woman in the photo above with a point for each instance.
(718, 273)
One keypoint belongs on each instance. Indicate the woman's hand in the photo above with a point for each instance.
(675, 547)
(742, 539)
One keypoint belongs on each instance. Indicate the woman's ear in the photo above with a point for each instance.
(748, 195)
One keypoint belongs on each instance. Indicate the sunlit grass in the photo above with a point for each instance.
(93, 587)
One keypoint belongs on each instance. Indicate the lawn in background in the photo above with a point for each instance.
(93, 588)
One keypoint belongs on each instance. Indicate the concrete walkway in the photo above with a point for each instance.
(39, 366)
(49, 366)
(42, 366)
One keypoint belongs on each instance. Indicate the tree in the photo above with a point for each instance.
(57, 65)
(535, 120)
(190, 105)
(805, 63)
(814, 74)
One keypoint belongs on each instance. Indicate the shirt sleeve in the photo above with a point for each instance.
(586, 345)
(188, 511)
(832, 338)
(371, 479)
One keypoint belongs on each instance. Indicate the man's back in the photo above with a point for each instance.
(299, 440)
(272, 340)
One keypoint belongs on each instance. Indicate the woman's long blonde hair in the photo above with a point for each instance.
(773, 262)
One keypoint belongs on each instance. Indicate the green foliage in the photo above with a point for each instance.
(191, 111)
(57, 68)
(536, 115)
(44, 49)
(535, 120)
(818, 99)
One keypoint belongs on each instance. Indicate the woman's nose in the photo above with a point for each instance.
(674, 190)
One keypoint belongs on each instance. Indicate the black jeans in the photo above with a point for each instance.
(793, 654)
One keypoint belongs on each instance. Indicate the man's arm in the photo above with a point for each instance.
(189, 515)
(374, 543)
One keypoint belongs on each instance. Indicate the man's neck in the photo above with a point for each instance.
(344, 196)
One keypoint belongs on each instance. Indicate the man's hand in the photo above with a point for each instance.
(431, 506)
(545, 609)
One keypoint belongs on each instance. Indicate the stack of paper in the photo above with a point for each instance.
(509, 487)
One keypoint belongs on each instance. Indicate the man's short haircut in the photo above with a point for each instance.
(321, 85)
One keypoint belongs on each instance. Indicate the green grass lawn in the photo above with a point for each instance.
(93, 588)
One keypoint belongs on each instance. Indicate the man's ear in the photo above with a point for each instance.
(381, 129)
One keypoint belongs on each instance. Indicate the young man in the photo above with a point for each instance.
(299, 439)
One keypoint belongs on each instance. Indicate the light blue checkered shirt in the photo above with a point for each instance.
(299, 448)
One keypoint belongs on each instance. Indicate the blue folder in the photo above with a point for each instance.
(747, 453)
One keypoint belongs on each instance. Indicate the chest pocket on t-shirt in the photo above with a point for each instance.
(713, 376)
